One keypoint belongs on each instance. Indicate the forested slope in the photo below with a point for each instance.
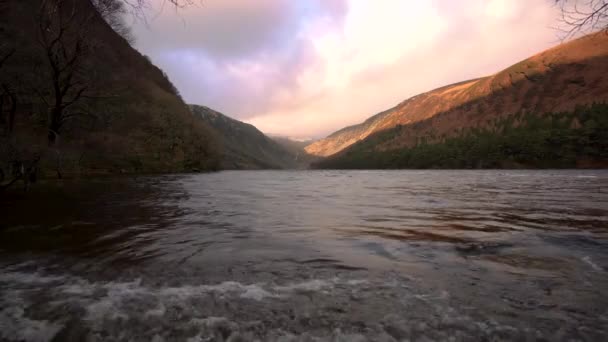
(77, 99)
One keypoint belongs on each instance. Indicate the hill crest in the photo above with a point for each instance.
(554, 80)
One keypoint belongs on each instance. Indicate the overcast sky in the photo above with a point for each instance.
(305, 68)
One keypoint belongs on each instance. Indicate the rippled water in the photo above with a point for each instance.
(307, 256)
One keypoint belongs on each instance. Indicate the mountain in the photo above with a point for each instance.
(297, 148)
(555, 81)
(85, 101)
(291, 144)
(347, 136)
(244, 146)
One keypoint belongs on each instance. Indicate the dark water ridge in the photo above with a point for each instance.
(309, 256)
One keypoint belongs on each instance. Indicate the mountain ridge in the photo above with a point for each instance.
(531, 84)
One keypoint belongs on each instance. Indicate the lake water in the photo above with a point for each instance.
(309, 256)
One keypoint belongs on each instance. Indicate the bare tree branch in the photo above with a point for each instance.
(8, 97)
(114, 13)
(582, 16)
(63, 36)
(11, 100)
(138, 8)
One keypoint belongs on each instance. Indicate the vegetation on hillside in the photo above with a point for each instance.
(554, 80)
(243, 145)
(552, 140)
(76, 99)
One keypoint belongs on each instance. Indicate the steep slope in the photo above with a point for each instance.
(244, 146)
(129, 119)
(556, 80)
(347, 136)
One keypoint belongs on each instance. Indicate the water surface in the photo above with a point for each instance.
(309, 255)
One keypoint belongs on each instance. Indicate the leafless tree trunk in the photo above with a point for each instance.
(582, 16)
(63, 36)
(8, 98)
(8, 105)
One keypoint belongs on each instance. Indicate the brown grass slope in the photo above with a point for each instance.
(570, 74)
(135, 120)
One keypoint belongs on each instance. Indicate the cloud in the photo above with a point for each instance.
(221, 29)
(307, 68)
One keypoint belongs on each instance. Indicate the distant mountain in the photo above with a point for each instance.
(243, 145)
(297, 148)
(292, 144)
(555, 81)
(121, 114)
(346, 136)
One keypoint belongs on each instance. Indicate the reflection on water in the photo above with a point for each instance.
(305, 255)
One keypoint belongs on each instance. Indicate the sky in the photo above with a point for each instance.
(306, 68)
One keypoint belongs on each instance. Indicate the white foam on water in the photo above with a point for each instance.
(14, 326)
(255, 292)
(106, 302)
(197, 338)
(211, 321)
(77, 289)
(112, 307)
(211, 326)
(27, 278)
(157, 338)
(159, 311)
(252, 291)
(588, 261)
(356, 282)
(131, 288)
(106, 308)
(314, 285)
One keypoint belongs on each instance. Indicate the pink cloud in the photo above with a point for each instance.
(308, 68)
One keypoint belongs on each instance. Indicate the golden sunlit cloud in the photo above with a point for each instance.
(334, 63)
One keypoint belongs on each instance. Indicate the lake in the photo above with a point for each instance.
(308, 256)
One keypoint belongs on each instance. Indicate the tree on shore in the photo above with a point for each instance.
(63, 36)
(8, 97)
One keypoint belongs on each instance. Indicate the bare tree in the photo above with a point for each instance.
(63, 37)
(8, 107)
(139, 4)
(582, 16)
(137, 8)
(114, 12)
(19, 166)
(8, 96)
